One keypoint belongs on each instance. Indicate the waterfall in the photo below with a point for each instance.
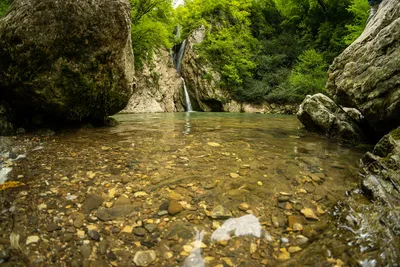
(187, 98)
(180, 56)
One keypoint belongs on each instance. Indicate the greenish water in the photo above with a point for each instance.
(265, 167)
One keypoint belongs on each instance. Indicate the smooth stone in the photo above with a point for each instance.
(51, 227)
(234, 175)
(244, 207)
(162, 213)
(93, 234)
(174, 207)
(283, 198)
(309, 214)
(150, 227)
(86, 251)
(299, 240)
(111, 256)
(32, 239)
(221, 212)
(105, 214)
(92, 202)
(78, 223)
(164, 206)
(144, 258)
(293, 219)
(139, 231)
(122, 201)
(103, 246)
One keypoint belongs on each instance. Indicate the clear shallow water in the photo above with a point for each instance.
(263, 165)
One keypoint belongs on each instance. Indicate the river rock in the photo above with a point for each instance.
(221, 212)
(92, 202)
(382, 169)
(174, 207)
(64, 55)
(144, 258)
(319, 113)
(105, 214)
(366, 75)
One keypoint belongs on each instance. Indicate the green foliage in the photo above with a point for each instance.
(359, 9)
(309, 74)
(263, 49)
(4, 4)
(152, 26)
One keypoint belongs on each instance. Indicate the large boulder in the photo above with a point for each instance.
(65, 61)
(159, 87)
(366, 75)
(382, 169)
(319, 113)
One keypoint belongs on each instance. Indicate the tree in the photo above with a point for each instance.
(4, 4)
(153, 22)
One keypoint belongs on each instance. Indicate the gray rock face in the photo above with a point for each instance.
(366, 75)
(158, 87)
(66, 60)
(382, 169)
(321, 114)
(201, 79)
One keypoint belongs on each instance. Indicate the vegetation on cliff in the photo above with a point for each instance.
(273, 49)
(4, 4)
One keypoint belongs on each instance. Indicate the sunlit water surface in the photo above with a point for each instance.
(261, 169)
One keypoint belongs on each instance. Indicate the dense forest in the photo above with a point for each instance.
(274, 50)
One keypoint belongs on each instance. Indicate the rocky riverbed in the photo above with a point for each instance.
(178, 190)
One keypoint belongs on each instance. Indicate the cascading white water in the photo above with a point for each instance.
(187, 98)
(178, 69)
(180, 56)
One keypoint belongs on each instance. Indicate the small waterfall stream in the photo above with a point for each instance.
(178, 66)
(187, 98)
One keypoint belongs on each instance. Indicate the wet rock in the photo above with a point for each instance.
(299, 240)
(139, 231)
(234, 175)
(98, 263)
(283, 255)
(32, 239)
(122, 201)
(309, 214)
(111, 256)
(283, 198)
(92, 202)
(51, 227)
(174, 207)
(293, 219)
(113, 213)
(93, 234)
(144, 258)
(244, 207)
(86, 251)
(221, 212)
(150, 227)
(319, 113)
(103, 246)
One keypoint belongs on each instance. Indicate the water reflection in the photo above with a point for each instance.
(188, 126)
(245, 225)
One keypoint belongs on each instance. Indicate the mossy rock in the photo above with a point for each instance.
(66, 61)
